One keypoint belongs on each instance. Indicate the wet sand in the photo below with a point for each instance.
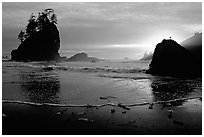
(37, 120)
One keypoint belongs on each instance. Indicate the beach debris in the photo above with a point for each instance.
(103, 98)
(107, 97)
(89, 105)
(73, 114)
(48, 68)
(151, 105)
(200, 98)
(123, 106)
(123, 112)
(112, 110)
(59, 113)
(168, 104)
(170, 113)
(178, 122)
(78, 114)
(86, 68)
(83, 119)
(3, 115)
(64, 68)
(81, 113)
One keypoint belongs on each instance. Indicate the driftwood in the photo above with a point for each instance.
(124, 106)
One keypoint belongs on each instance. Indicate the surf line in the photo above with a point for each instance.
(124, 106)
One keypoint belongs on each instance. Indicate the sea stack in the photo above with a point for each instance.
(147, 56)
(83, 57)
(171, 59)
(42, 45)
(40, 41)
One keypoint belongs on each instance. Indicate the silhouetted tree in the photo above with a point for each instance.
(21, 36)
(54, 19)
(51, 15)
(36, 24)
(46, 17)
(31, 28)
(42, 20)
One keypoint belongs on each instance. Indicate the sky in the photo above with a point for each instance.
(110, 30)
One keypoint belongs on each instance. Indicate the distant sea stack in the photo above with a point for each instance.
(147, 56)
(171, 59)
(194, 45)
(41, 42)
(83, 57)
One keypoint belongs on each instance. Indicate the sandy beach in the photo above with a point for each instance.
(26, 119)
(79, 88)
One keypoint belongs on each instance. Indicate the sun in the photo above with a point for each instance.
(157, 37)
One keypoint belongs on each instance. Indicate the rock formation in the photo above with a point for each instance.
(147, 56)
(82, 57)
(194, 45)
(43, 45)
(171, 59)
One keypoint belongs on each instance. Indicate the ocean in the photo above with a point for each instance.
(88, 82)
(105, 97)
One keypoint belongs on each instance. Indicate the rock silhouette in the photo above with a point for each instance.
(171, 59)
(82, 57)
(43, 45)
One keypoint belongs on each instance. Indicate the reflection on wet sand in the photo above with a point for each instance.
(40, 86)
(165, 89)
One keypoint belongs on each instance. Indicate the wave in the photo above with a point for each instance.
(124, 106)
(82, 69)
(133, 77)
(104, 67)
(23, 66)
(97, 69)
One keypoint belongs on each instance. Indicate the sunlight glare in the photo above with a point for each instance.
(151, 43)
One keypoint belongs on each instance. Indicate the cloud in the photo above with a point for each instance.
(192, 27)
(126, 46)
(104, 24)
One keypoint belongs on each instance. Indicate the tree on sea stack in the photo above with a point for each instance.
(46, 17)
(40, 40)
(21, 36)
(36, 24)
(31, 27)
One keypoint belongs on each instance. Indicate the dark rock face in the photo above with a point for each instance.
(83, 57)
(43, 45)
(171, 59)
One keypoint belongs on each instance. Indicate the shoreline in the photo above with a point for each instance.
(24, 119)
